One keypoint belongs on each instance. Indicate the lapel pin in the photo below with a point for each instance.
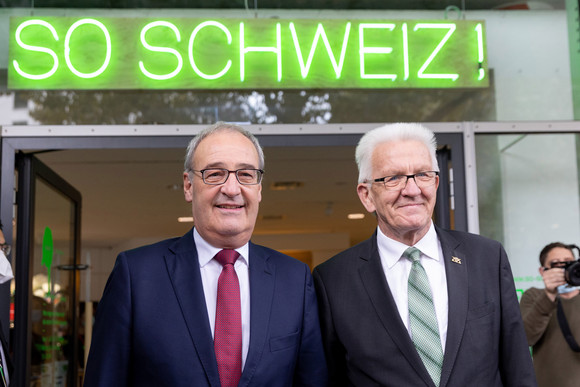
(456, 260)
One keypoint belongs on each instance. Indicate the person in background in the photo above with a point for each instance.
(210, 308)
(6, 366)
(416, 305)
(555, 362)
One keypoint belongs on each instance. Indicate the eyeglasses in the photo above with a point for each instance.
(217, 176)
(422, 179)
(6, 248)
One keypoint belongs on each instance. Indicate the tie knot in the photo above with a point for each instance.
(412, 253)
(227, 257)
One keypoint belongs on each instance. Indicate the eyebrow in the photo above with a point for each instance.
(418, 170)
(238, 166)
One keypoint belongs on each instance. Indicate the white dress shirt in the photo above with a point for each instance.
(210, 271)
(397, 269)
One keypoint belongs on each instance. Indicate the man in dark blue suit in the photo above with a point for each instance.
(160, 311)
(416, 305)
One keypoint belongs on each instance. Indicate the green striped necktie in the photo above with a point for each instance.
(423, 320)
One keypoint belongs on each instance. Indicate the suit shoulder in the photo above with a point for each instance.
(157, 249)
(348, 257)
(467, 237)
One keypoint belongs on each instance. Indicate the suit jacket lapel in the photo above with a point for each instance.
(375, 283)
(456, 271)
(262, 276)
(183, 268)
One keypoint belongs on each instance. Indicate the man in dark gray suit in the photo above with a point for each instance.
(416, 305)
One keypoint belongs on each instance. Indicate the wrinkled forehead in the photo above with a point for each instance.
(226, 148)
(401, 154)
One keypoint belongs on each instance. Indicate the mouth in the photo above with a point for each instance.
(411, 204)
(229, 206)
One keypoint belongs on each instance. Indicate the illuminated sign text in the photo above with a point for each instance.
(139, 53)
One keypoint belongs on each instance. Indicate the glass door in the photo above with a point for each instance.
(47, 277)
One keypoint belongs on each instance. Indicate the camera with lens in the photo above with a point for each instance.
(571, 271)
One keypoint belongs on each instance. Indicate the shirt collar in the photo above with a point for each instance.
(392, 250)
(206, 252)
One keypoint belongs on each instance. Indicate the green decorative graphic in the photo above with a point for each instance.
(47, 252)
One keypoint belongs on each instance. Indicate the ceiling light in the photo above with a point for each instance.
(185, 219)
(356, 216)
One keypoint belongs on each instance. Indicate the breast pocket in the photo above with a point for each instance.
(480, 328)
(282, 342)
(480, 311)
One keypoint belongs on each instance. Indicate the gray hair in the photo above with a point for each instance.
(387, 133)
(218, 127)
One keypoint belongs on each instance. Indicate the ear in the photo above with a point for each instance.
(541, 270)
(187, 188)
(364, 194)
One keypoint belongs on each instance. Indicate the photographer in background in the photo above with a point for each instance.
(555, 361)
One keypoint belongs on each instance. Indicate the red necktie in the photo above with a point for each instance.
(228, 321)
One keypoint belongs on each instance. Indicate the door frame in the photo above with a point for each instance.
(30, 139)
(29, 168)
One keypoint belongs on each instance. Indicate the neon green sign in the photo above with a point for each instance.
(146, 53)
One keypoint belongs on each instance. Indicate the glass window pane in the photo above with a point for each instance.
(528, 196)
(52, 286)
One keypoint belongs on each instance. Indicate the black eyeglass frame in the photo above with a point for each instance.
(383, 179)
(235, 172)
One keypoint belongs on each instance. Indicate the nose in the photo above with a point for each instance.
(231, 187)
(411, 188)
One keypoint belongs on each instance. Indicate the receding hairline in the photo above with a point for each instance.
(219, 127)
(228, 131)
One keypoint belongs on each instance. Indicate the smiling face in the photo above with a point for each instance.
(405, 214)
(225, 214)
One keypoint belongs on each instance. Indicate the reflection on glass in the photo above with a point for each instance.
(52, 307)
(176, 107)
(528, 188)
